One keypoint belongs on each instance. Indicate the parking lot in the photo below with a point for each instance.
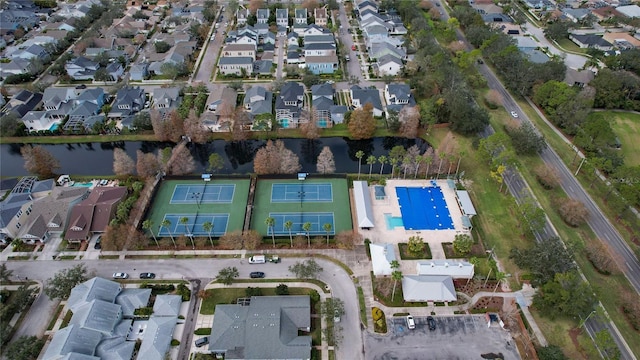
(455, 337)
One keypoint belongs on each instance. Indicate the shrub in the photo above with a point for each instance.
(462, 244)
(600, 257)
(175, 342)
(143, 312)
(377, 314)
(547, 177)
(202, 331)
(253, 291)
(631, 309)
(282, 289)
(573, 212)
(184, 291)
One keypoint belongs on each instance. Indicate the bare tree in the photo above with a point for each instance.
(275, 158)
(573, 212)
(308, 129)
(147, 164)
(409, 121)
(181, 162)
(240, 121)
(194, 128)
(159, 125)
(122, 163)
(326, 164)
(39, 161)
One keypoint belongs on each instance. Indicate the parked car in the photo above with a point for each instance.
(257, 259)
(147, 275)
(120, 275)
(514, 114)
(256, 275)
(336, 316)
(411, 324)
(98, 244)
(431, 322)
(353, 47)
(202, 341)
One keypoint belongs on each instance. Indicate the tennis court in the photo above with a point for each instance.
(224, 204)
(194, 226)
(317, 221)
(203, 194)
(325, 201)
(301, 191)
(424, 208)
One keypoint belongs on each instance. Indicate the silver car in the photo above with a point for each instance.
(120, 275)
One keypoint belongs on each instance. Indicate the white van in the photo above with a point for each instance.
(257, 259)
(411, 324)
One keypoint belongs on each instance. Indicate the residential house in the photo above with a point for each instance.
(525, 42)
(375, 33)
(321, 112)
(630, 11)
(22, 102)
(92, 215)
(139, 72)
(398, 94)
(299, 29)
(12, 19)
(326, 64)
(380, 49)
(156, 343)
(267, 328)
(241, 16)
(314, 29)
(575, 15)
(17, 66)
(49, 214)
(622, 41)
(360, 97)
(293, 57)
(262, 16)
(388, 65)
(58, 102)
(320, 15)
(322, 90)
(288, 105)
(319, 49)
(605, 13)
(367, 5)
(337, 113)
(86, 107)
(300, 16)
(292, 39)
(239, 50)
(258, 101)
(34, 51)
(129, 101)
(239, 66)
(578, 78)
(282, 17)
(319, 39)
(262, 67)
(591, 41)
(225, 108)
(60, 25)
(15, 209)
(166, 99)
(35, 121)
(81, 68)
(545, 5)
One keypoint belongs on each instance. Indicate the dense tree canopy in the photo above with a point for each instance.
(59, 287)
(544, 260)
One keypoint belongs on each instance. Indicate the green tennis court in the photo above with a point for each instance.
(326, 203)
(222, 202)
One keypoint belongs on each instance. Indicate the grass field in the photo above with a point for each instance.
(263, 206)
(627, 127)
(236, 209)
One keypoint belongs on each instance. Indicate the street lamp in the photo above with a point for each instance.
(582, 322)
(196, 197)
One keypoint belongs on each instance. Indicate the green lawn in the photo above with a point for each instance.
(627, 127)
(230, 295)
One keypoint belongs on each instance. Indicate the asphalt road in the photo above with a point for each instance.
(197, 271)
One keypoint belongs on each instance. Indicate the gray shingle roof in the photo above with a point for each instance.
(97, 315)
(132, 299)
(322, 104)
(322, 90)
(72, 339)
(157, 338)
(96, 288)
(226, 60)
(367, 96)
(167, 305)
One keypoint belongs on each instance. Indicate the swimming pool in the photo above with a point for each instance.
(393, 221)
(85, 184)
(54, 127)
(424, 208)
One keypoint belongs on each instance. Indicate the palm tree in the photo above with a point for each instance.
(147, 225)
(184, 221)
(382, 160)
(500, 277)
(461, 154)
(271, 222)
(167, 224)
(492, 263)
(307, 228)
(441, 156)
(450, 158)
(327, 228)
(359, 155)
(475, 262)
(395, 275)
(418, 161)
(428, 159)
(288, 225)
(208, 227)
(370, 161)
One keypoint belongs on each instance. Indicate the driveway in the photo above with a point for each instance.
(455, 337)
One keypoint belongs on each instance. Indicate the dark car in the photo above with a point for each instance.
(256, 275)
(147, 276)
(202, 341)
(431, 322)
(98, 244)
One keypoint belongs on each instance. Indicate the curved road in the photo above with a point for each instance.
(199, 271)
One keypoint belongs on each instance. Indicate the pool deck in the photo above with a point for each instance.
(380, 233)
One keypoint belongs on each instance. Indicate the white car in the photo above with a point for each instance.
(411, 324)
(514, 114)
(120, 275)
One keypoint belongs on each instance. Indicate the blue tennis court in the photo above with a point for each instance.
(424, 208)
(301, 192)
(203, 194)
(317, 220)
(194, 224)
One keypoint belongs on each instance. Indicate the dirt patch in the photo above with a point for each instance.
(474, 286)
(573, 334)
(492, 304)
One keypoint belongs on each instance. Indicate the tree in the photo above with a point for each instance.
(362, 124)
(309, 129)
(396, 155)
(326, 164)
(226, 275)
(307, 229)
(565, 295)
(166, 223)
(9, 124)
(359, 155)
(416, 245)
(147, 165)
(275, 158)
(382, 160)
(557, 30)
(551, 352)
(59, 287)
(500, 277)
(462, 244)
(161, 47)
(251, 239)
(123, 164)
(547, 176)
(5, 273)
(327, 228)
(182, 162)
(208, 227)
(573, 212)
(288, 225)
(525, 139)
(216, 162)
(39, 161)
(24, 348)
(271, 222)
(409, 121)
(307, 269)
(148, 225)
(370, 161)
(282, 289)
(396, 275)
(195, 129)
(232, 240)
(545, 259)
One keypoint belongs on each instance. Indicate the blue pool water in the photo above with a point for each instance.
(54, 127)
(424, 208)
(86, 184)
(393, 221)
